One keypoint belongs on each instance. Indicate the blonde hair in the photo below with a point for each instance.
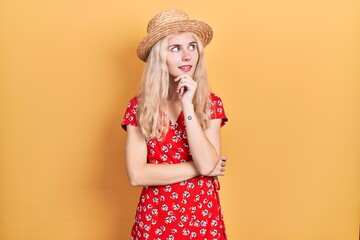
(154, 90)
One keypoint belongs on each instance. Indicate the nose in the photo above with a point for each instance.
(186, 56)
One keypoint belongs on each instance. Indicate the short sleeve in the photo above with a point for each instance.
(217, 109)
(130, 116)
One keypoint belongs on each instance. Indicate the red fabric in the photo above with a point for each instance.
(186, 210)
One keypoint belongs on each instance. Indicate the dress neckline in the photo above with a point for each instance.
(180, 116)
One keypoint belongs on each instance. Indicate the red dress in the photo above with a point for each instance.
(186, 210)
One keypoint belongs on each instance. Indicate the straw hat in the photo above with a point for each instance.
(169, 22)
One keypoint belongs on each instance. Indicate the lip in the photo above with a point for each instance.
(185, 68)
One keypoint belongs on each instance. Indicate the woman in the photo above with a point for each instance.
(172, 115)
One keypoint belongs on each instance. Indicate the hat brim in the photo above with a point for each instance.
(201, 29)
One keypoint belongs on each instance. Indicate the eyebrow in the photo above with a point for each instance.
(179, 45)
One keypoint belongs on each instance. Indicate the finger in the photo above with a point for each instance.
(223, 158)
(180, 86)
(185, 87)
(183, 83)
(180, 77)
(188, 83)
(185, 79)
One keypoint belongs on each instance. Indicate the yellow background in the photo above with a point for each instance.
(287, 71)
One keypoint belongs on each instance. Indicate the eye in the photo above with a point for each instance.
(192, 47)
(175, 49)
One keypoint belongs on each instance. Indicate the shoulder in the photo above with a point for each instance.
(133, 104)
(217, 108)
(134, 101)
(130, 116)
(215, 99)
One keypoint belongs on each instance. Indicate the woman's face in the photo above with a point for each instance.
(182, 54)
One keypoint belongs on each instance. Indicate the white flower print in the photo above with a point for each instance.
(164, 207)
(186, 232)
(158, 231)
(186, 194)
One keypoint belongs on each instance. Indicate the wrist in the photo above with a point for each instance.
(188, 111)
(187, 106)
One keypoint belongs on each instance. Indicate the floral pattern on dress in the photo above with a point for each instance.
(186, 210)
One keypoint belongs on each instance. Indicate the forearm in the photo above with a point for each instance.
(162, 174)
(205, 155)
(141, 173)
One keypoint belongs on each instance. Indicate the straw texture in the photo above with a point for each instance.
(170, 22)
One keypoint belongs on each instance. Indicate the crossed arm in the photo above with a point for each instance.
(205, 148)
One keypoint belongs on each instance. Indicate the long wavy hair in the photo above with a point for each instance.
(154, 90)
